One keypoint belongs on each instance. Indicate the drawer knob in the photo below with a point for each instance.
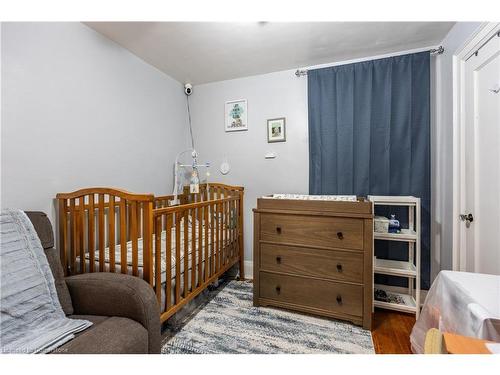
(339, 267)
(278, 289)
(278, 230)
(340, 235)
(278, 259)
(339, 299)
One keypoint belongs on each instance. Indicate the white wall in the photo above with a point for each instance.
(283, 94)
(78, 110)
(442, 148)
(269, 96)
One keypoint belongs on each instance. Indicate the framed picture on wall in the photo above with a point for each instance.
(276, 130)
(236, 115)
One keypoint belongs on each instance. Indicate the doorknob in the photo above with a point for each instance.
(468, 218)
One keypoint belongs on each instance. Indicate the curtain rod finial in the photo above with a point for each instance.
(438, 51)
(300, 73)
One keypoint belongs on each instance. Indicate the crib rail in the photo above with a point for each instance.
(206, 245)
(207, 192)
(179, 250)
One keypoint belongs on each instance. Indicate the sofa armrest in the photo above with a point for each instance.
(113, 294)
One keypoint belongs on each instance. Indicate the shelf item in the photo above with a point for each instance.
(381, 224)
(410, 269)
(408, 301)
(394, 267)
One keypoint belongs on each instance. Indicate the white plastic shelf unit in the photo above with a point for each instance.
(408, 269)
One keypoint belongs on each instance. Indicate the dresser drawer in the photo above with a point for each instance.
(332, 264)
(325, 295)
(321, 231)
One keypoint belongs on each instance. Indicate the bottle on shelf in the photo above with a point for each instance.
(394, 225)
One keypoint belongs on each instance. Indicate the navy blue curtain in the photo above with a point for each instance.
(369, 133)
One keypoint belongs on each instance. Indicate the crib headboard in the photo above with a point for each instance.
(93, 219)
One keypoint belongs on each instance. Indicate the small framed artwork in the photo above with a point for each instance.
(276, 130)
(236, 115)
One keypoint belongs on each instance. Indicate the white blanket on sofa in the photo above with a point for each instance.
(31, 319)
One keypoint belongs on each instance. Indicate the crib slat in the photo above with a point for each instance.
(220, 195)
(101, 233)
(222, 234)
(158, 259)
(200, 245)
(76, 241)
(223, 248)
(234, 225)
(193, 249)
(213, 217)
(186, 253)
(177, 257)
(81, 232)
(212, 232)
(168, 249)
(130, 213)
(63, 227)
(206, 226)
(217, 236)
(230, 240)
(235, 229)
(123, 236)
(72, 231)
(111, 222)
(133, 238)
(147, 248)
(227, 229)
(139, 219)
(222, 229)
(91, 233)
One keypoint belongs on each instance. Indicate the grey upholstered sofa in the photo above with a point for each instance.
(123, 308)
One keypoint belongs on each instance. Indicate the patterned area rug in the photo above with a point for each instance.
(230, 324)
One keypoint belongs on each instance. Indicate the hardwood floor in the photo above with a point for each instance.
(391, 332)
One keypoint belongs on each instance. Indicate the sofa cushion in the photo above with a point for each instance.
(43, 229)
(61, 286)
(108, 335)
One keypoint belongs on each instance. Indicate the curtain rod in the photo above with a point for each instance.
(433, 51)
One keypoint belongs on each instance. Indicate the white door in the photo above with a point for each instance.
(482, 159)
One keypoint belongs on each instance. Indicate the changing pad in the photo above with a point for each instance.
(348, 198)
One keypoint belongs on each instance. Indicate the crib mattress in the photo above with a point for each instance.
(183, 248)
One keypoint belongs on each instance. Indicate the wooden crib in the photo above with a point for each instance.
(179, 250)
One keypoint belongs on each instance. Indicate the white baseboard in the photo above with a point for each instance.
(248, 269)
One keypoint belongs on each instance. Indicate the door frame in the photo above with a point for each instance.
(485, 31)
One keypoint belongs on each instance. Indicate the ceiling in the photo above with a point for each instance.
(201, 52)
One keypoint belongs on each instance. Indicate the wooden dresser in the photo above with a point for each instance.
(315, 257)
